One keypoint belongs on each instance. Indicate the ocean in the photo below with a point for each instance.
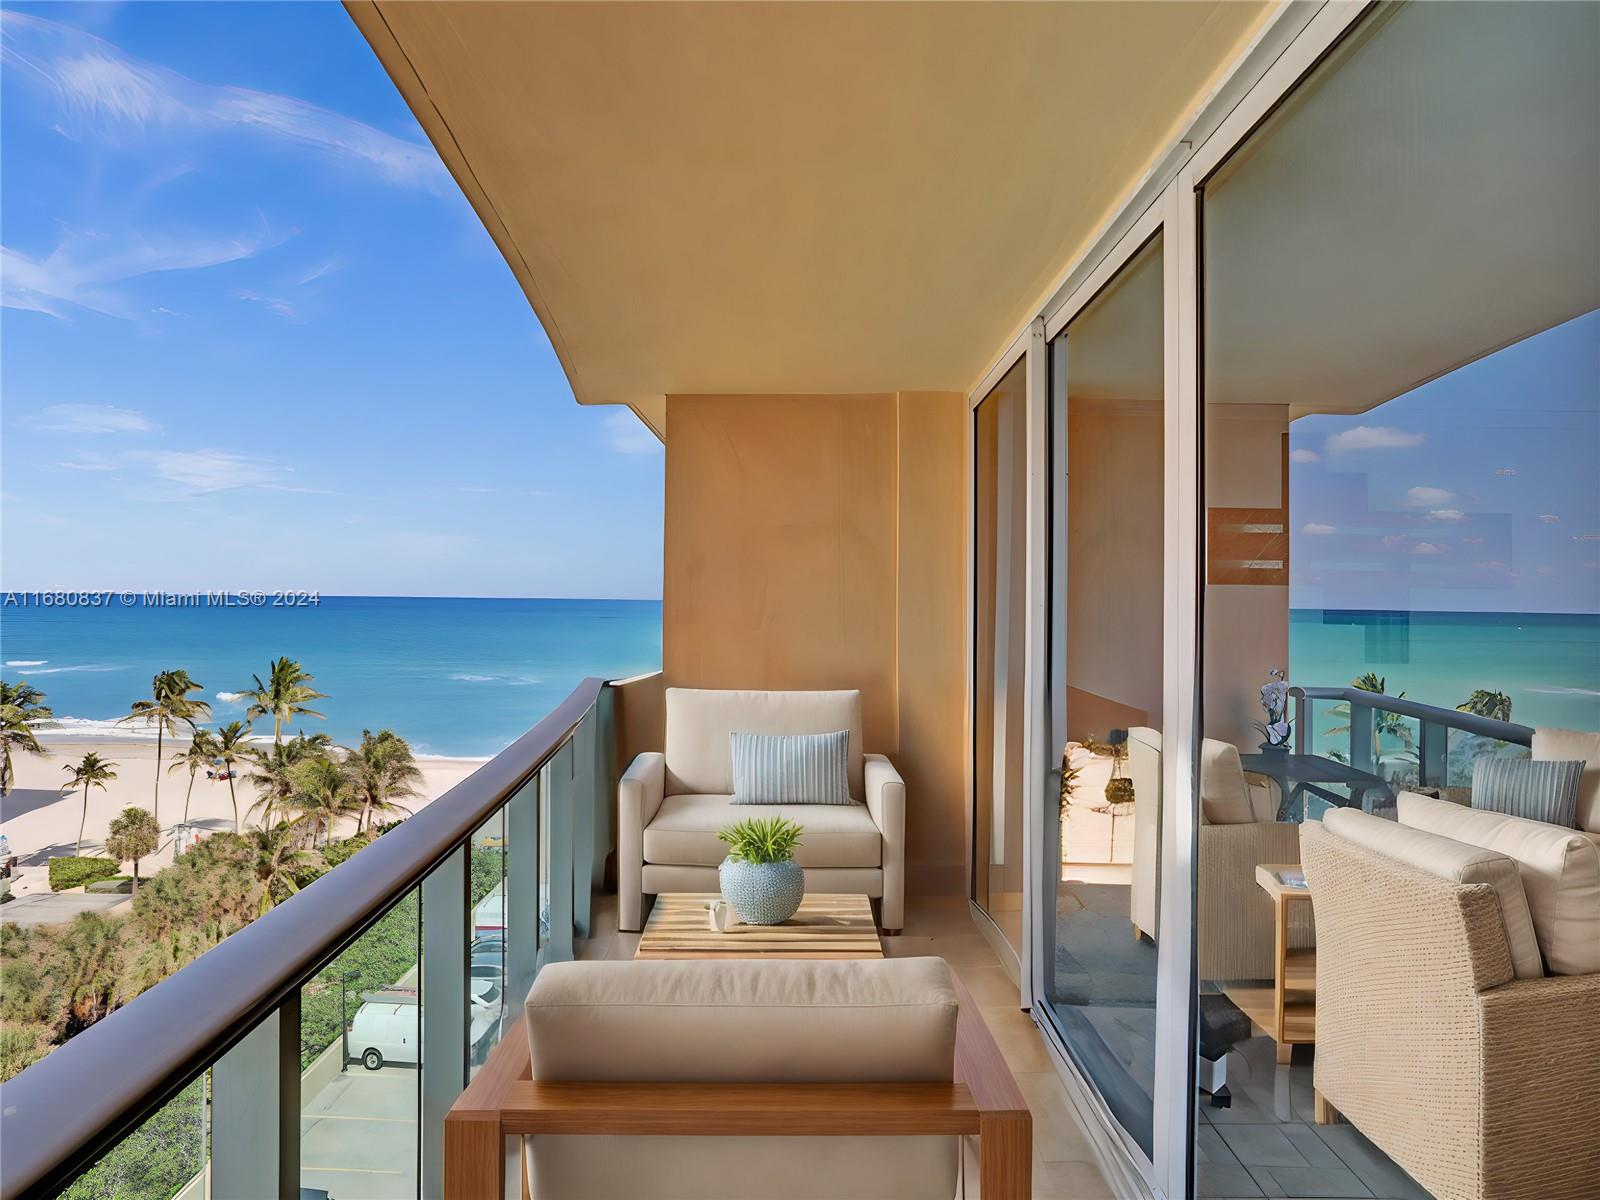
(1547, 663)
(455, 677)
(466, 677)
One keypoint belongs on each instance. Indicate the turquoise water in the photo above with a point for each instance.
(454, 676)
(1547, 663)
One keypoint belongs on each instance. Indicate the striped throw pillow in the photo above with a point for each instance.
(1538, 789)
(791, 768)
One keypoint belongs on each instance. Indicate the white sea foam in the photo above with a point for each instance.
(87, 727)
(84, 667)
(26, 662)
(474, 678)
(230, 697)
(1565, 691)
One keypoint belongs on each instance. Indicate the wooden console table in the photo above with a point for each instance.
(1288, 1009)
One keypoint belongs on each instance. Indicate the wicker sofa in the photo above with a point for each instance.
(1480, 1084)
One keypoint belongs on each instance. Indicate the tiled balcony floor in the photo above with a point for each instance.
(1063, 1163)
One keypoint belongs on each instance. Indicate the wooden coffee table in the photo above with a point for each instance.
(827, 926)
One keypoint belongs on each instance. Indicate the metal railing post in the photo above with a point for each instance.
(1363, 740)
(522, 891)
(583, 821)
(446, 1007)
(1433, 755)
(255, 1111)
(563, 795)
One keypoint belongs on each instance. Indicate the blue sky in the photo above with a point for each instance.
(1477, 492)
(254, 337)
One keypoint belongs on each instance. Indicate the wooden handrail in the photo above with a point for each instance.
(503, 1100)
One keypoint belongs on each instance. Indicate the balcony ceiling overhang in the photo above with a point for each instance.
(756, 198)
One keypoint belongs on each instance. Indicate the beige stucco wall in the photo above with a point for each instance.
(1114, 564)
(1246, 626)
(817, 542)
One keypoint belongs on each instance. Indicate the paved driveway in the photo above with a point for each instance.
(358, 1135)
(55, 908)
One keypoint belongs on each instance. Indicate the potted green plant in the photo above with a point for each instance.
(760, 877)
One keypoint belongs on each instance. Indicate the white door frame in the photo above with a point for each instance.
(1291, 44)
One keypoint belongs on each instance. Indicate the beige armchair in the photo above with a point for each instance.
(1481, 1085)
(670, 805)
(1239, 831)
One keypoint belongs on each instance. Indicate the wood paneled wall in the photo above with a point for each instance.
(817, 542)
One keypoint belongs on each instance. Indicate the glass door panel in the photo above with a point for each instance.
(1101, 939)
(999, 651)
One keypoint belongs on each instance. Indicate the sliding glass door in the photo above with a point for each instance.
(1098, 905)
(1000, 651)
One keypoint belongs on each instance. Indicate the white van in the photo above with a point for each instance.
(384, 1032)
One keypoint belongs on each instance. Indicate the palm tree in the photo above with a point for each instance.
(278, 858)
(322, 794)
(168, 709)
(134, 835)
(1385, 723)
(381, 771)
(93, 771)
(1482, 703)
(202, 749)
(274, 773)
(285, 695)
(21, 707)
(230, 747)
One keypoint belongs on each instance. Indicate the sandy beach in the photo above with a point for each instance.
(41, 822)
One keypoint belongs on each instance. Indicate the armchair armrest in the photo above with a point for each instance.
(639, 793)
(640, 789)
(886, 803)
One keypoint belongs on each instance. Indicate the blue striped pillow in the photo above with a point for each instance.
(1539, 789)
(791, 768)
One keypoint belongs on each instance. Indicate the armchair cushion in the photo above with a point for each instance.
(699, 723)
(1224, 796)
(684, 832)
(1569, 744)
(1560, 872)
(1459, 862)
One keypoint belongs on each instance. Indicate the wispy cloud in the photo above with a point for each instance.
(1371, 437)
(1304, 456)
(1428, 497)
(78, 419)
(1430, 548)
(100, 90)
(1318, 528)
(629, 435)
(1447, 514)
(273, 304)
(82, 270)
(1549, 518)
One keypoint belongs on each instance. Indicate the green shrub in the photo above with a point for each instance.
(381, 957)
(75, 872)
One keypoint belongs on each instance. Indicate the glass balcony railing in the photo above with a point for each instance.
(317, 1050)
(1406, 744)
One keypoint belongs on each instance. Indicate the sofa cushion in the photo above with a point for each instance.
(1224, 798)
(684, 832)
(1453, 860)
(792, 768)
(763, 1021)
(1560, 872)
(1569, 744)
(699, 722)
(1520, 787)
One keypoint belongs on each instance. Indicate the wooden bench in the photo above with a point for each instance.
(503, 1101)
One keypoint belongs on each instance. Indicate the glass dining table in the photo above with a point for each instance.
(1302, 777)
